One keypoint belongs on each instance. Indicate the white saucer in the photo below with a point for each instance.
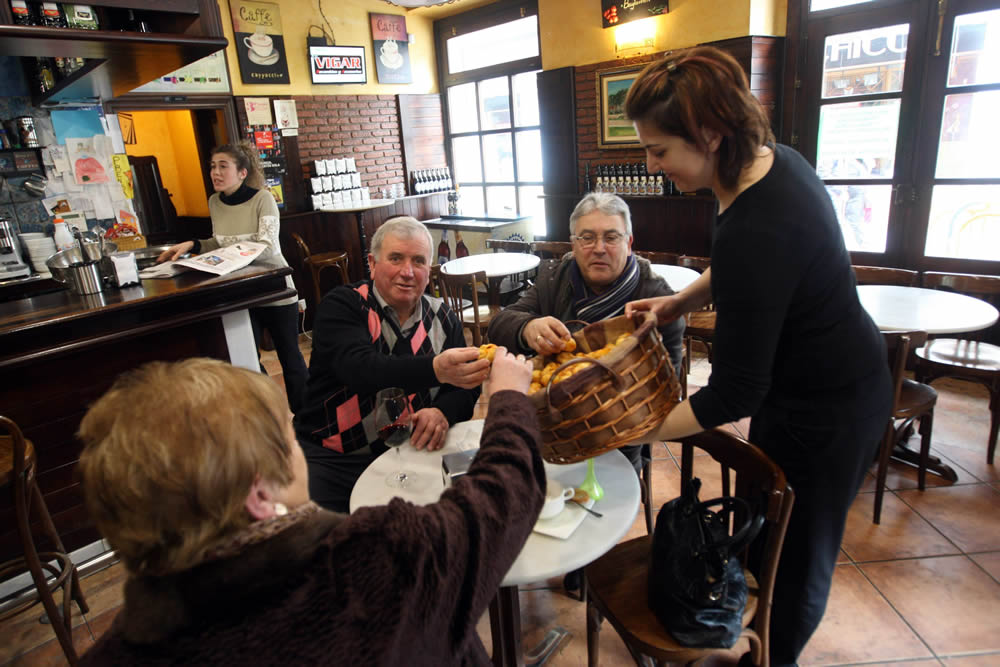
(394, 63)
(267, 60)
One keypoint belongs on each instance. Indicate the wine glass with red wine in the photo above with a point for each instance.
(394, 421)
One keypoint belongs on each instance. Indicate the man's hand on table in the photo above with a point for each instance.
(545, 335)
(429, 429)
(462, 367)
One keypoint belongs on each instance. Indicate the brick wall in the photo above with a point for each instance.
(365, 127)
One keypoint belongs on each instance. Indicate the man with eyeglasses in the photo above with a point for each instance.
(592, 283)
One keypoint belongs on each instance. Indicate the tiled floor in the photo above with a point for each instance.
(923, 588)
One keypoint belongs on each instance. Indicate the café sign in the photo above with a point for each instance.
(616, 12)
(337, 64)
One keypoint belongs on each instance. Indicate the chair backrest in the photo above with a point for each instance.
(13, 444)
(657, 257)
(699, 264)
(453, 287)
(881, 275)
(762, 484)
(303, 248)
(508, 246)
(551, 249)
(898, 346)
(984, 287)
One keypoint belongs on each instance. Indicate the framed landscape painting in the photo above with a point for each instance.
(616, 131)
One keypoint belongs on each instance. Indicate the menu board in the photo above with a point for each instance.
(208, 75)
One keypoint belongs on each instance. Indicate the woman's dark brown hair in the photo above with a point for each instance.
(245, 155)
(703, 87)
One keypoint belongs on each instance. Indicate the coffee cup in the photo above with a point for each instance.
(555, 499)
(390, 49)
(260, 43)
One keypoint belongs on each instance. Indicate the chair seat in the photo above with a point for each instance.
(326, 258)
(701, 323)
(968, 354)
(617, 582)
(484, 312)
(915, 398)
(7, 458)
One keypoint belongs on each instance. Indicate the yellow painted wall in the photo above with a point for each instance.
(571, 32)
(169, 135)
(351, 27)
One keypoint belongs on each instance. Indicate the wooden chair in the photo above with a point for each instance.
(881, 275)
(316, 263)
(551, 249)
(511, 286)
(657, 257)
(911, 401)
(616, 582)
(699, 264)
(474, 317)
(17, 470)
(962, 358)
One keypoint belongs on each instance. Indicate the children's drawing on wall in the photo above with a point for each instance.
(86, 161)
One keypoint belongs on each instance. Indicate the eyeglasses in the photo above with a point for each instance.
(588, 240)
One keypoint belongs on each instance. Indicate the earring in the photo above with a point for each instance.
(280, 509)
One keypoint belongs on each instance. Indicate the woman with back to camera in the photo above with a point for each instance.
(203, 492)
(242, 209)
(793, 348)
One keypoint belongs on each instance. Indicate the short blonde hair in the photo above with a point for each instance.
(170, 453)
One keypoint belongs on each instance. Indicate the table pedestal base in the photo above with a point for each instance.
(935, 465)
(505, 628)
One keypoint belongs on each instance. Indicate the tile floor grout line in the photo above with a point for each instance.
(936, 529)
(897, 612)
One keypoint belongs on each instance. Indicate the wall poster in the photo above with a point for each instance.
(391, 48)
(260, 45)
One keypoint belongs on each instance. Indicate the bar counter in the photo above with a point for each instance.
(59, 352)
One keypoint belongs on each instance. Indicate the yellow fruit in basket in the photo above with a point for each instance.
(533, 387)
(563, 357)
(621, 338)
(487, 351)
(548, 372)
(536, 377)
(569, 345)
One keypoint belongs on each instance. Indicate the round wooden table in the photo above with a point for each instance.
(678, 277)
(496, 266)
(542, 556)
(896, 308)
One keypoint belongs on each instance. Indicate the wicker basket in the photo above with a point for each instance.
(622, 397)
(134, 242)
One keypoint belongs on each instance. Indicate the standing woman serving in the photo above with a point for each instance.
(242, 209)
(793, 348)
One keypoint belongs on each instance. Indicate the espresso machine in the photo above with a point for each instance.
(11, 264)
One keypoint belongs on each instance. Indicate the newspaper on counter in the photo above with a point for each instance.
(219, 261)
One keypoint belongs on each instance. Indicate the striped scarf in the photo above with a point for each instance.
(591, 307)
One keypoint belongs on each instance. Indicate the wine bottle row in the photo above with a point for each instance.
(626, 179)
(423, 181)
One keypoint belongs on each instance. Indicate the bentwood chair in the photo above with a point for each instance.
(511, 286)
(551, 249)
(316, 263)
(18, 468)
(881, 275)
(657, 257)
(911, 401)
(616, 582)
(475, 317)
(966, 358)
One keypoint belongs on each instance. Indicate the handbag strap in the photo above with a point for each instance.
(740, 537)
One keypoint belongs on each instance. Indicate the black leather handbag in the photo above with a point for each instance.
(696, 585)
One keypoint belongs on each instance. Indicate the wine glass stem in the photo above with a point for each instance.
(401, 475)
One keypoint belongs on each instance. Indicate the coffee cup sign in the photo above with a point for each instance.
(389, 38)
(260, 43)
(258, 33)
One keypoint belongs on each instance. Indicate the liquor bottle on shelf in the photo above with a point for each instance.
(134, 22)
(586, 177)
(460, 249)
(444, 251)
(641, 179)
(438, 180)
(45, 78)
(620, 179)
(23, 12)
(53, 16)
(418, 183)
(449, 183)
(659, 184)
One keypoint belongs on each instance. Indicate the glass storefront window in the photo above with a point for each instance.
(468, 165)
(857, 139)
(867, 62)
(471, 200)
(462, 106)
(498, 157)
(975, 49)
(525, 99)
(501, 201)
(529, 155)
(504, 43)
(820, 5)
(863, 213)
(494, 104)
(530, 199)
(964, 222)
(969, 143)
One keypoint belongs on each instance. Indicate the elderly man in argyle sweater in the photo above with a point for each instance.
(379, 333)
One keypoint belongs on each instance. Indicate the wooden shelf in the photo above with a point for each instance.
(117, 61)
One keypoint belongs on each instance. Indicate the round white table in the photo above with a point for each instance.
(896, 308)
(542, 556)
(496, 266)
(678, 277)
